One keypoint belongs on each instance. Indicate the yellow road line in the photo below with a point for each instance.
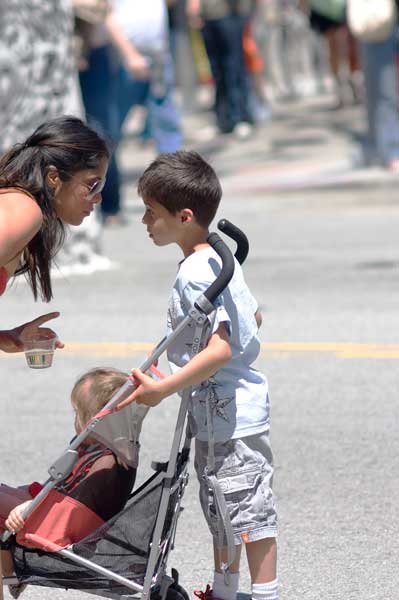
(341, 350)
(273, 350)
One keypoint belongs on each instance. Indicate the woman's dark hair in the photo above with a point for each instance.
(69, 145)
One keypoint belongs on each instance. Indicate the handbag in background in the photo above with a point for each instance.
(372, 20)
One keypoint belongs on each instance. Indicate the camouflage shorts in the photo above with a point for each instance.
(244, 469)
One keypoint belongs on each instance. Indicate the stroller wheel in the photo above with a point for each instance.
(176, 591)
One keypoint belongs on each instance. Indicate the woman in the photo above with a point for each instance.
(55, 177)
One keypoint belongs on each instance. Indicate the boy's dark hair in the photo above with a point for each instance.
(180, 180)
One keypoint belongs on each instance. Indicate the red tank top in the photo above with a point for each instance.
(3, 271)
(3, 280)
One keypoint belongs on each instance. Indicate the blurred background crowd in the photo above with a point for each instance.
(157, 62)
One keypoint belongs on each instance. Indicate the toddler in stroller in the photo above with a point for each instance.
(99, 483)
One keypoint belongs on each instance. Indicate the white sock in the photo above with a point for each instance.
(223, 591)
(265, 591)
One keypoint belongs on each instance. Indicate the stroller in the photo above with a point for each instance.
(125, 557)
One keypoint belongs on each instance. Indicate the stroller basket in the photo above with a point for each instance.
(122, 545)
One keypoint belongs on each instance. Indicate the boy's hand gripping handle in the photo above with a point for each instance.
(227, 271)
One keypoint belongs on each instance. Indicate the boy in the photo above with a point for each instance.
(181, 194)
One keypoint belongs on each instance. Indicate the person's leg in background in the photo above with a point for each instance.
(258, 103)
(164, 118)
(236, 76)
(334, 36)
(381, 91)
(215, 48)
(98, 92)
(130, 92)
(355, 68)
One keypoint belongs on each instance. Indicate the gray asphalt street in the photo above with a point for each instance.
(323, 264)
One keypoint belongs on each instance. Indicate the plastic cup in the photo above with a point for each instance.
(39, 351)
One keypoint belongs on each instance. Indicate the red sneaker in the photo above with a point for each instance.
(207, 595)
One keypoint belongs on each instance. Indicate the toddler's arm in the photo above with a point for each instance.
(14, 521)
(202, 366)
(258, 318)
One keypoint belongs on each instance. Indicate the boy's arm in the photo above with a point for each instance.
(258, 318)
(202, 366)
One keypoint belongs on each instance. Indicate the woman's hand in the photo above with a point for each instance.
(14, 521)
(12, 339)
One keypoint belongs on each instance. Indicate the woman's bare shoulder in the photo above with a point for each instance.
(20, 220)
(20, 212)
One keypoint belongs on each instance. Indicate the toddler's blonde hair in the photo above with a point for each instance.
(94, 389)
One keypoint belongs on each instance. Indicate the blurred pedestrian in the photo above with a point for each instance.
(328, 18)
(258, 103)
(138, 73)
(97, 70)
(145, 73)
(182, 54)
(379, 60)
(54, 177)
(223, 26)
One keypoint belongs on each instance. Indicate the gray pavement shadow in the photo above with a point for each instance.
(298, 141)
(242, 596)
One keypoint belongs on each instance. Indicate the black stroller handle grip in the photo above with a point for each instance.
(238, 236)
(227, 271)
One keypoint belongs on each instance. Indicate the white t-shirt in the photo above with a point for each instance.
(144, 22)
(238, 393)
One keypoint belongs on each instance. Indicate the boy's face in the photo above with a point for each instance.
(162, 227)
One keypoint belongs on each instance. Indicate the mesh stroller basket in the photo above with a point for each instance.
(122, 545)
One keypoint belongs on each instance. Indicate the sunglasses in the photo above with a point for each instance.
(95, 188)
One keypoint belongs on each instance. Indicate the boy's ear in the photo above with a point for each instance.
(186, 216)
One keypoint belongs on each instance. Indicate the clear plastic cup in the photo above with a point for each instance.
(39, 351)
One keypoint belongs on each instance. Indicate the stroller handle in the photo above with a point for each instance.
(238, 236)
(227, 271)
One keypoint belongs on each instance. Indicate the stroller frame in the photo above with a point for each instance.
(173, 475)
